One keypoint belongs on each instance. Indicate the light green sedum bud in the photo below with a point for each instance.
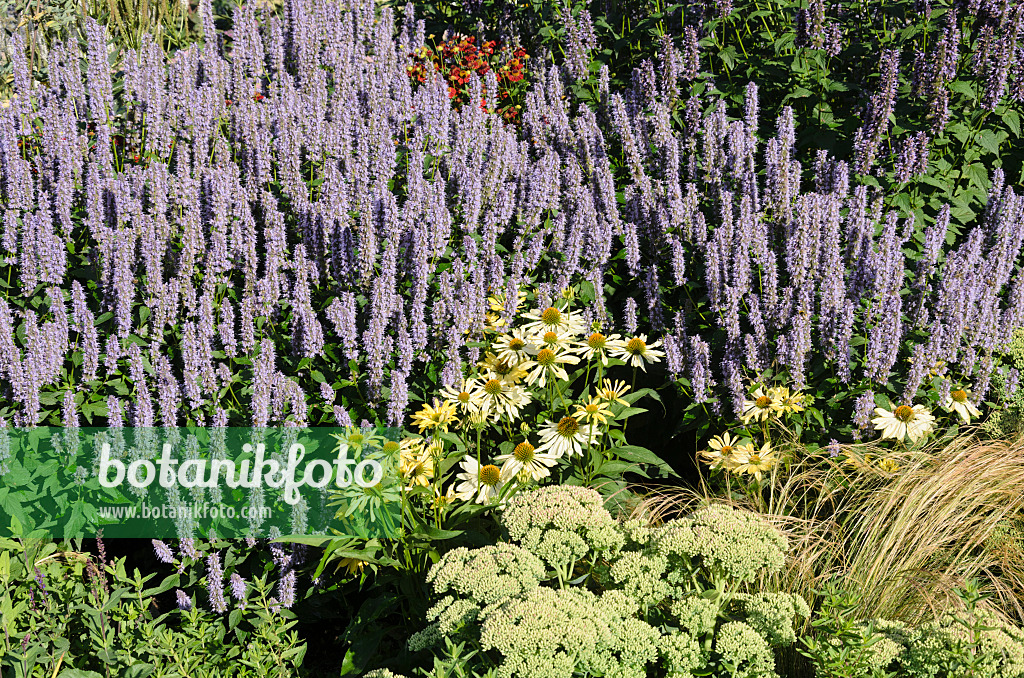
(561, 524)
(744, 652)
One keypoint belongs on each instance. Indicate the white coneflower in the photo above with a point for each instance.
(547, 363)
(464, 396)
(565, 438)
(597, 345)
(552, 319)
(515, 347)
(526, 459)
(636, 352)
(482, 482)
(760, 407)
(905, 421)
(959, 401)
(499, 397)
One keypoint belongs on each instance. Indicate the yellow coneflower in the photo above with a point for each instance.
(748, 459)
(438, 416)
(613, 391)
(721, 451)
(594, 411)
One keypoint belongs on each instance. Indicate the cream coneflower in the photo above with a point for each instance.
(482, 482)
(565, 438)
(437, 416)
(720, 454)
(549, 363)
(594, 411)
(959, 401)
(613, 391)
(554, 340)
(515, 347)
(915, 422)
(760, 407)
(496, 396)
(509, 371)
(749, 459)
(553, 319)
(597, 345)
(526, 459)
(463, 396)
(636, 351)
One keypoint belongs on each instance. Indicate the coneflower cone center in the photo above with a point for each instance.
(636, 346)
(726, 449)
(523, 452)
(390, 447)
(568, 427)
(596, 340)
(490, 475)
(591, 408)
(763, 402)
(551, 316)
(516, 344)
(546, 357)
(959, 396)
(755, 458)
(550, 337)
(904, 413)
(493, 387)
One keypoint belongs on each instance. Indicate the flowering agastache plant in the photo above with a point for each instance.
(458, 57)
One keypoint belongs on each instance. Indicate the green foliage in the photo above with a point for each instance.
(65, 614)
(1009, 419)
(968, 642)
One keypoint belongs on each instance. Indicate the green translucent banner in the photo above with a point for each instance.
(173, 482)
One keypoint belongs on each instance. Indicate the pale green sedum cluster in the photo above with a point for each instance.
(578, 593)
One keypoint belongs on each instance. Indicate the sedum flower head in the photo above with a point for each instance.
(682, 654)
(641, 577)
(561, 523)
(553, 633)
(742, 647)
(695, 614)
(940, 644)
(486, 575)
(722, 542)
(772, 615)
